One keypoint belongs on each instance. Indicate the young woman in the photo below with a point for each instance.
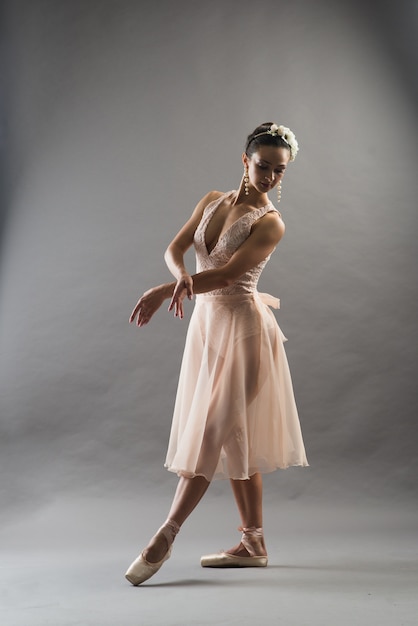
(235, 415)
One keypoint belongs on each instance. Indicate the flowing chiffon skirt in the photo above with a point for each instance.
(235, 412)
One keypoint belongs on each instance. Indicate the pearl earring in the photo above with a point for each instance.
(246, 181)
(279, 191)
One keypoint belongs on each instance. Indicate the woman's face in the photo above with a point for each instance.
(266, 167)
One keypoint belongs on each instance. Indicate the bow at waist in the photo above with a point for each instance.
(272, 301)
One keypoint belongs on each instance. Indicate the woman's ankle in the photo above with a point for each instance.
(170, 530)
(252, 539)
(161, 542)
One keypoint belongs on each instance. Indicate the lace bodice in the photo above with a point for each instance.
(226, 245)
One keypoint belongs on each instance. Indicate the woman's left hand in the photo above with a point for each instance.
(183, 288)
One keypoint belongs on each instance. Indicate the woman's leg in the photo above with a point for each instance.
(188, 494)
(249, 498)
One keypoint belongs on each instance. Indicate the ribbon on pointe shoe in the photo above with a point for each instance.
(252, 540)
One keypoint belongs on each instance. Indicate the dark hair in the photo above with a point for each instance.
(253, 142)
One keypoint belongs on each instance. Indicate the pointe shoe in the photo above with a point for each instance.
(252, 540)
(141, 570)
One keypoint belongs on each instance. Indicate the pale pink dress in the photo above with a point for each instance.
(235, 412)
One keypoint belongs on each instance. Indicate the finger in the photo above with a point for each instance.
(143, 317)
(140, 316)
(173, 301)
(142, 321)
(135, 311)
(180, 311)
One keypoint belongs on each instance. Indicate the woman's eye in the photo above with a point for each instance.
(262, 167)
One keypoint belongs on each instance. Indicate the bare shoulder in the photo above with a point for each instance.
(270, 227)
(211, 197)
(204, 202)
(280, 225)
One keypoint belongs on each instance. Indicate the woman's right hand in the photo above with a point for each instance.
(183, 288)
(147, 305)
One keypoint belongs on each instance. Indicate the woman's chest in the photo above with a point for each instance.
(224, 221)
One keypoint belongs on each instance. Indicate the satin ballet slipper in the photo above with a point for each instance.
(141, 570)
(252, 540)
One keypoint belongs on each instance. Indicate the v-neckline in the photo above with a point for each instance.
(212, 213)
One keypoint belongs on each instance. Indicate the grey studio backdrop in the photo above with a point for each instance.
(117, 118)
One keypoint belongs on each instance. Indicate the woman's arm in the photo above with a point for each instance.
(152, 299)
(265, 236)
(174, 255)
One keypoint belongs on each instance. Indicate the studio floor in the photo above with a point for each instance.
(330, 563)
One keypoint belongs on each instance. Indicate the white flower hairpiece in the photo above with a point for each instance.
(286, 134)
